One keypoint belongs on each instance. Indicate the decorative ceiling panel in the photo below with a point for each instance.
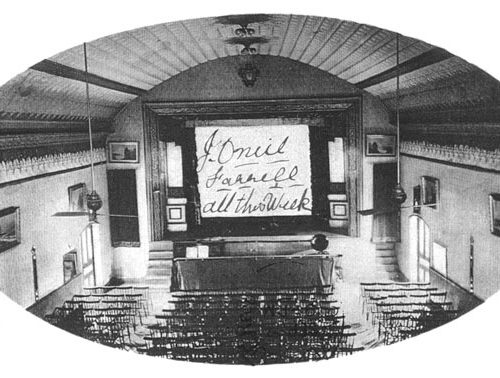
(447, 69)
(145, 57)
(35, 92)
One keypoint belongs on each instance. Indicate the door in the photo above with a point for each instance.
(385, 225)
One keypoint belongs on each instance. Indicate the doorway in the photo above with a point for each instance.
(385, 225)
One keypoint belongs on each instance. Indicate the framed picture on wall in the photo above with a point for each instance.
(77, 197)
(123, 152)
(430, 191)
(417, 199)
(380, 145)
(10, 231)
(495, 213)
(70, 265)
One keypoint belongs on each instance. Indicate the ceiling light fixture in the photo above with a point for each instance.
(249, 74)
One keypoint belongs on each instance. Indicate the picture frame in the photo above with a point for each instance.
(380, 145)
(77, 197)
(417, 199)
(123, 152)
(430, 191)
(10, 228)
(339, 210)
(176, 214)
(70, 265)
(494, 199)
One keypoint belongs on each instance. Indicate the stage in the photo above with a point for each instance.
(252, 272)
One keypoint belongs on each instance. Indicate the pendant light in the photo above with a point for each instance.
(398, 192)
(94, 201)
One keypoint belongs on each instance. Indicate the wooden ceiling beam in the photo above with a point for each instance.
(53, 68)
(425, 59)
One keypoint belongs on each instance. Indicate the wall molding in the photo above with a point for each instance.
(239, 107)
(458, 154)
(21, 141)
(19, 169)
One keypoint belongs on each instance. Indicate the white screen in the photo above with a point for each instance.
(254, 171)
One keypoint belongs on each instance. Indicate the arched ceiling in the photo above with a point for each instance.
(133, 62)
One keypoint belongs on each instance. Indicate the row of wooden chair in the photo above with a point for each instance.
(404, 309)
(395, 326)
(251, 327)
(105, 316)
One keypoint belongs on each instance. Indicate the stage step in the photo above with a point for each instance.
(389, 276)
(160, 255)
(160, 264)
(386, 260)
(159, 267)
(162, 245)
(387, 268)
(385, 253)
(157, 282)
(384, 246)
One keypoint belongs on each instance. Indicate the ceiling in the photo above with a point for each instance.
(138, 60)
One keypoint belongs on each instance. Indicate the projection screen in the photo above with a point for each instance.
(254, 171)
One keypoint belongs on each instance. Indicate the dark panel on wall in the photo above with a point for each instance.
(122, 193)
(385, 226)
(320, 174)
(189, 165)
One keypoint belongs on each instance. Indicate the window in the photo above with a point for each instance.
(419, 249)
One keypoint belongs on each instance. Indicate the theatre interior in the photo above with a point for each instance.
(250, 189)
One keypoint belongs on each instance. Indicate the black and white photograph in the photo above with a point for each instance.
(249, 190)
(123, 152)
(495, 213)
(77, 195)
(9, 228)
(380, 145)
(430, 191)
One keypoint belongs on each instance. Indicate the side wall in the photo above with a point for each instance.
(52, 237)
(463, 212)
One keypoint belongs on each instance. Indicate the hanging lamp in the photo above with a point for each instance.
(398, 192)
(94, 201)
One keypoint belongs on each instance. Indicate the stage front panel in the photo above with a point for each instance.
(254, 171)
(219, 273)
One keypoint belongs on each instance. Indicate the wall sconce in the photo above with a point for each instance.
(249, 74)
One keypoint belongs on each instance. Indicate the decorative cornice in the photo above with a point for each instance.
(19, 169)
(20, 141)
(187, 109)
(463, 128)
(463, 155)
